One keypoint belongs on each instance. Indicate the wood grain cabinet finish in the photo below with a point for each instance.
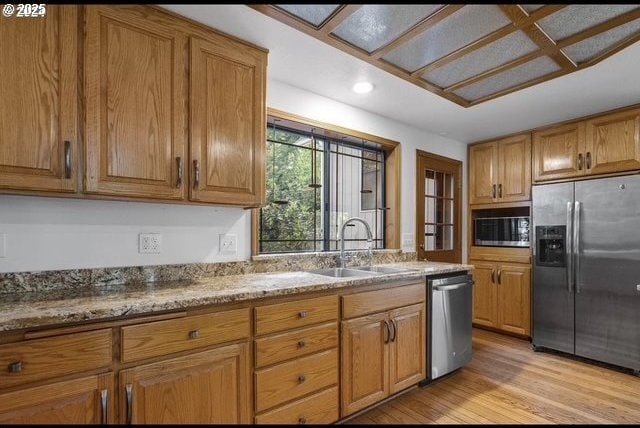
(227, 122)
(38, 105)
(382, 354)
(613, 143)
(135, 86)
(558, 152)
(500, 171)
(51, 357)
(319, 408)
(502, 296)
(210, 387)
(87, 400)
(483, 173)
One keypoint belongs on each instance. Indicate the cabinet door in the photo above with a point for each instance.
(483, 173)
(87, 400)
(38, 108)
(365, 362)
(514, 298)
(407, 350)
(613, 143)
(210, 387)
(559, 152)
(514, 169)
(484, 294)
(227, 122)
(135, 80)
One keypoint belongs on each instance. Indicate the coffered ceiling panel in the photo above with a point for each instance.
(314, 14)
(470, 54)
(514, 76)
(500, 52)
(603, 42)
(374, 25)
(457, 30)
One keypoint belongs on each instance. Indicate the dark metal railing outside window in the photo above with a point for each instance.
(314, 183)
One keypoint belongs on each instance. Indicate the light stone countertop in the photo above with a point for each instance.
(91, 303)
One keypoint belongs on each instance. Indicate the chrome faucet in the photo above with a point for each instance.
(343, 258)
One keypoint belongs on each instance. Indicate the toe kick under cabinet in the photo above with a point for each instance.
(312, 358)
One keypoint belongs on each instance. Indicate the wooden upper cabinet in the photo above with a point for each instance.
(38, 101)
(500, 171)
(557, 152)
(135, 80)
(483, 173)
(227, 122)
(514, 169)
(613, 143)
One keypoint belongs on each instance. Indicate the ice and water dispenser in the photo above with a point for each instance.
(551, 241)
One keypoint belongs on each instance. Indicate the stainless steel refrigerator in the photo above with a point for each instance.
(586, 274)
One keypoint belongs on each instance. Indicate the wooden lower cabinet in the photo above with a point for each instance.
(502, 296)
(320, 408)
(201, 388)
(382, 354)
(87, 400)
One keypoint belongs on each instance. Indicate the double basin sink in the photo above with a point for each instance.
(362, 271)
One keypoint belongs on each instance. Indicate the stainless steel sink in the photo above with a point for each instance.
(383, 269)
(343, 272)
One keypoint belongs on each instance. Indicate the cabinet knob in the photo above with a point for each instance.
(302, 420)
(194, 334)
(301, 344)
(302, 314)
(15, 367)
(302, 378)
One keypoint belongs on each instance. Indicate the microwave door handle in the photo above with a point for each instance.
(568, 246)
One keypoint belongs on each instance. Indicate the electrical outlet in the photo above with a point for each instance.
(407, 240)
(149, 243)
(229, 244)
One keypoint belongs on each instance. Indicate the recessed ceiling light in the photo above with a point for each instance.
(362, 87)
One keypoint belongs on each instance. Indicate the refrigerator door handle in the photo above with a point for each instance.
(576, 243)
(568, 246)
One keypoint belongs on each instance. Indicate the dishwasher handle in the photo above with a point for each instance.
(453, 286)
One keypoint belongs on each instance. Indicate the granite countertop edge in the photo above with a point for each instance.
(33, 310)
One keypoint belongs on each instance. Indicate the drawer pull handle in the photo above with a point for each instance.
(302, 314)
(302, 420)
(15, 367)
(302, 378)
(301, 344)
(194, 334)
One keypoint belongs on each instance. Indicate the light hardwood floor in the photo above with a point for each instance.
(506, 382)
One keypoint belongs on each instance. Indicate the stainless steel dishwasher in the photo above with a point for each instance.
(449, 339)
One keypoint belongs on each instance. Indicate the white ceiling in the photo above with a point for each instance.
(302, 61)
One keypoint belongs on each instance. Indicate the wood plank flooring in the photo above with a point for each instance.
(508, 383)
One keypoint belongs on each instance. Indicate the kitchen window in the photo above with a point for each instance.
(316, 178)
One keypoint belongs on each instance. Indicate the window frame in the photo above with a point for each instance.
(392, 185)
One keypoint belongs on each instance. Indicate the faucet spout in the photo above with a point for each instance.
(367, 228)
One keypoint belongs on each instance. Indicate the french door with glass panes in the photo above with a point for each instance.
(438, 219)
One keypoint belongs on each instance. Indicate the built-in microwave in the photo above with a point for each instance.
(502, 231)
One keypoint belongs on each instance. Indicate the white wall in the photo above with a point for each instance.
(56, 233)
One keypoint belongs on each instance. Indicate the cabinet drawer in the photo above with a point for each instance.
(299, 313)
(166, 337)
(369, 302)
(285, 346)
(320, 408)
(294, 379)
(39, 359)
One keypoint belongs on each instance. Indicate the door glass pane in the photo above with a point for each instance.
(429, 237)
(439, 210)
(447, 239)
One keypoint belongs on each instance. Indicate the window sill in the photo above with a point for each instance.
(278, 256)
